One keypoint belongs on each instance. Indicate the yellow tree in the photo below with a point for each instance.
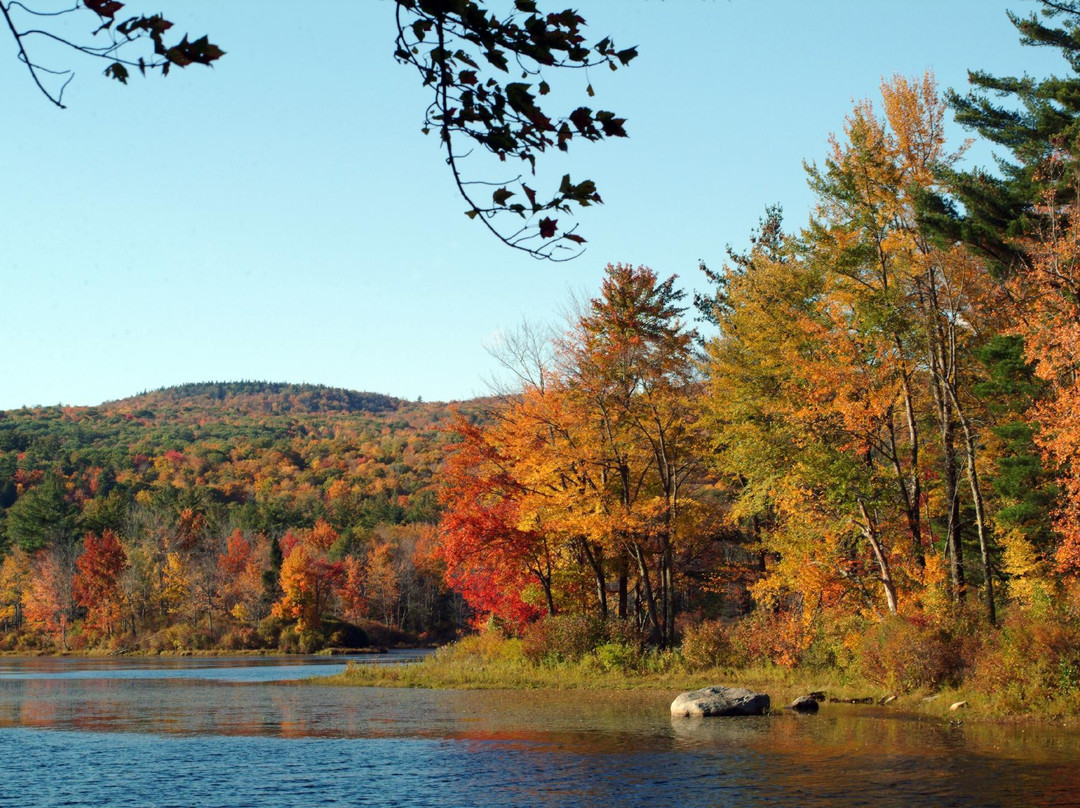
(309, 579)
(902, 318)
(14, 586)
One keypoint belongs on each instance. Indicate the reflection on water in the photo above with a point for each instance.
(215, 740)
(228, 669)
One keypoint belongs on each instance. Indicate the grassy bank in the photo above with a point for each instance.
(488, 661)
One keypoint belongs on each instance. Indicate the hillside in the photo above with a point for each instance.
(268, 456)
(202, 491)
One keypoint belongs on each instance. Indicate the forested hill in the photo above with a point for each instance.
(261, 456)
(257, 397)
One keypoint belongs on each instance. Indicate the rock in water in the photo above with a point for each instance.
(804, 704)
(719, 700)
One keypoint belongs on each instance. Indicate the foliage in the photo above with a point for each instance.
(1033, 663)
(904, 654)
(96, 585)
(200, 484)
(707, 645)
(462, 52)
(589, 473)
(114, 39)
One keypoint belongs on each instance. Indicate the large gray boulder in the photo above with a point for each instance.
(719, 700)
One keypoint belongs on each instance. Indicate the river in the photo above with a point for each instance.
(250, 732)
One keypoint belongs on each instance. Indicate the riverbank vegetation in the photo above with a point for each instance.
(864, 465)
(1016, 674)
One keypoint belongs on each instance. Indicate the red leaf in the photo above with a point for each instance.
(529, 192)
(547, 227)
(104, 8)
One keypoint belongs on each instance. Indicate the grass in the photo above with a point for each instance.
(483, 663)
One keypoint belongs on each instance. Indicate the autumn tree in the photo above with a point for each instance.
(50, 603)
(97, 583)
(490, 556)
(309, 578)
(14, 587)
(1048, 293)
(875, 328)
(580, 480)
(629, 362)
(241, 571)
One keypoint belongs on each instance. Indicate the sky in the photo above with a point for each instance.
(281, 217)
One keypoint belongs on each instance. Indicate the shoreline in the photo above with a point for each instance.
(448, 669)
(783, 687)
(208, 652)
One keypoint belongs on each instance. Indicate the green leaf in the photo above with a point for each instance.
(501, 195)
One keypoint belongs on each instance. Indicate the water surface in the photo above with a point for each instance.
(251, 732)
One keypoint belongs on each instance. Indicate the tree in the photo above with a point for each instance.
(629, 361)
(1048, 294)
(97, 583)
(581, 479)
(241, 568)
(464, 53)
(43, 516)
(309, 579)
(490, 556)
(843, 353)
(14, 587)
(50, 602)
(1033, 119)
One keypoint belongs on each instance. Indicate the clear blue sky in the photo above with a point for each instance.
(281, 217)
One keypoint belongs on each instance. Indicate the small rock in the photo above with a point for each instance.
(958, 706)
(720, 701)
(817, 695)
(887, 700)
(804, 704)
(931, 698)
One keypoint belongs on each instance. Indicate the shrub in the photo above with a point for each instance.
(625, 631)
(563, 638)
(904, 654)
(571, 638)
(240, 639)
(1031, 662)
(269, 632)
(780, 638)
(485, 647)
(618, 657)
(707, 645)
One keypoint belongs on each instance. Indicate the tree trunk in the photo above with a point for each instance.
(650, 597)
(596, 562)
(869, 530)
(977, 500)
